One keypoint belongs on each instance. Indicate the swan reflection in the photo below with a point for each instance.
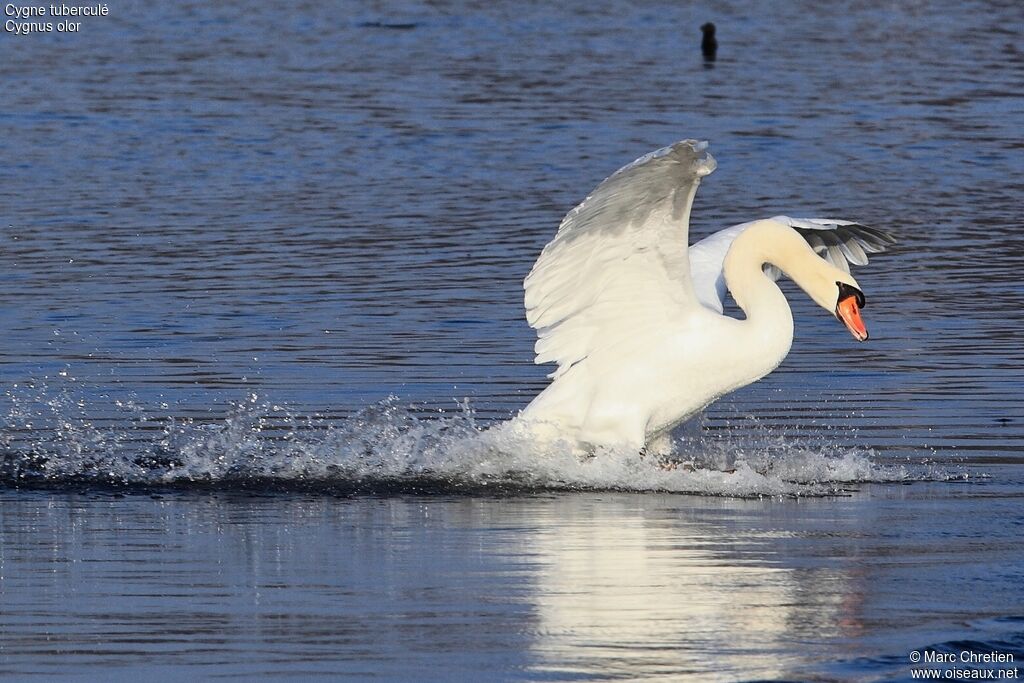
(630, 589)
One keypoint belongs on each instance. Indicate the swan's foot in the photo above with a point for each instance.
(689, 466)
(660, 446)
(673, 465)
(663, 449)
(584, 451)
(670, 464)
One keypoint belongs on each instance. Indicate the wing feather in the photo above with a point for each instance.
(619, 258)
(840, 242)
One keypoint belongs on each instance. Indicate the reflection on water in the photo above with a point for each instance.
(583, 586)
(670, 591)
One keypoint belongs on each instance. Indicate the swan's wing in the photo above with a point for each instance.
(707, 259)
(839, 242)
(619, 258)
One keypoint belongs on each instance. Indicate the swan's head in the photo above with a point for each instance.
(833, 289)
(848, 306)
(838, 293)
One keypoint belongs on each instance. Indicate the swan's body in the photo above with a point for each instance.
(633, 316)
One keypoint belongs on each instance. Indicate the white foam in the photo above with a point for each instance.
(391, 442)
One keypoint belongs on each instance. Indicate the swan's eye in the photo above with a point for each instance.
(846, 291)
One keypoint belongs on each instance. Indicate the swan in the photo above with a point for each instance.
(634, 317)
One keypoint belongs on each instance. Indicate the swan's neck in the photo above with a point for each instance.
(767, 332)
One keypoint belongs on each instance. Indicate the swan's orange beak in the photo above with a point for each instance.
(848, 311)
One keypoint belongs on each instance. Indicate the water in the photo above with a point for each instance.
(230, 234)
(536, 587)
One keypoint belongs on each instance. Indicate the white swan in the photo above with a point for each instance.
(633, 315)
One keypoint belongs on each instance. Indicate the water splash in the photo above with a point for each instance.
(48, 439)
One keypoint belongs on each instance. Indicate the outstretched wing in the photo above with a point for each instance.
(839, 242)
(619, 258)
